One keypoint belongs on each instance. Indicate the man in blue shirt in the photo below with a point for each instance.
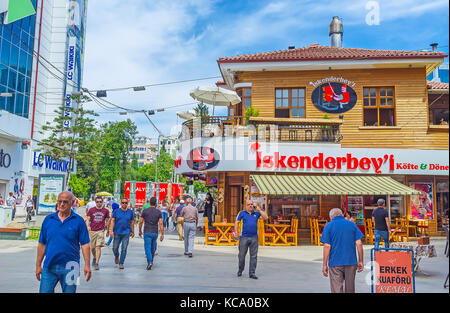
(249, 237)
(340, 238)
(122, 228)
(62, 233)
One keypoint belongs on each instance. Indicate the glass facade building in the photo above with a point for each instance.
(16, 55)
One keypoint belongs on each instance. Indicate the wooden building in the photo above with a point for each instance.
(327, 112)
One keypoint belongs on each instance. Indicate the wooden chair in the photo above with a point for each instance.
(368, 229)
(210, 234)
(317, 232)
(264, 238)
(292, 233)
(313, 233)
(422, 226)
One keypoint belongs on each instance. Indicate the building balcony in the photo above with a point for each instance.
(264, 129)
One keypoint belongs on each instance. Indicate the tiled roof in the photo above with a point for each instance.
(316, 52)
(436, 85)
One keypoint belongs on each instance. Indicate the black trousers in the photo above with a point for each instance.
(245, 244)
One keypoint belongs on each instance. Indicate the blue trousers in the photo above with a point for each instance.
(58, 273)
(150, 243)
(124, 240)
(164, 219)
(381, 233)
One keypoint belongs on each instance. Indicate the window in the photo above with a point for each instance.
(246, 100)
(379, 106)
(438, 109)
(290, 102)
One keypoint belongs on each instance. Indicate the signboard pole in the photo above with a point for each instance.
(117, 190)
(133, 193)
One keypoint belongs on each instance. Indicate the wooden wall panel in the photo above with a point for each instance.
(411, 131)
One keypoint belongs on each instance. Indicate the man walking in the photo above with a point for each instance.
(340, 238)
(11, 201)
(152, 218)
(62, 233)
(97, 222)
(179, 219)
(380, 218)
(122, 228)
(30, 208)
(248, 239)
(190, 216)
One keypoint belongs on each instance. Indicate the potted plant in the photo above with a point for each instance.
(326, 130)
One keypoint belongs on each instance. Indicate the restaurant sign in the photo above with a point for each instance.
(333, 95)
(238, 154)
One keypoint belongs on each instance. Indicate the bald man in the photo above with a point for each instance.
(62, 234)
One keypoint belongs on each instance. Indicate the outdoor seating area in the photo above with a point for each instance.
(222, 235)
(402, 230)
(278, 234)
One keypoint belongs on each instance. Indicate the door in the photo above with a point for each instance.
(235, 202)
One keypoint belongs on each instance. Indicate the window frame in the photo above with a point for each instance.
(240, 107)
(290, 102)
(378, 105)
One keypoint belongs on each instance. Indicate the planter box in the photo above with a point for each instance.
(13, 233)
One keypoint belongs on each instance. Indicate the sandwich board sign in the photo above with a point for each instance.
(392, 270)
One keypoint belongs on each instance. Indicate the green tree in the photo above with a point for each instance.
(116, 144)
(80, 186)
(201, 110)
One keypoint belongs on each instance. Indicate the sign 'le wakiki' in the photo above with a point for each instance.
(50, 163)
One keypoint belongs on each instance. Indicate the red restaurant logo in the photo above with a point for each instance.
(347, 162)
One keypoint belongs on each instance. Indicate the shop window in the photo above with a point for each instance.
(379, 106)
(370, 204)
(438, 109)
(290, 102)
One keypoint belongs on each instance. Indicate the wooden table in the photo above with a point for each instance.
(225, 236)
(279, 230)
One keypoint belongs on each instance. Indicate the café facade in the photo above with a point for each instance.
(336, 127)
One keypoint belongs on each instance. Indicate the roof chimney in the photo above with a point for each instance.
(336, 32)
(436, 71)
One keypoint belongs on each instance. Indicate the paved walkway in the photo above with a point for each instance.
(212, 269)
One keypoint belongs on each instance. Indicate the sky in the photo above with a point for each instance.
(141, 42)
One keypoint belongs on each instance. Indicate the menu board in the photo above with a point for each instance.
(50, 186)
(356, 209)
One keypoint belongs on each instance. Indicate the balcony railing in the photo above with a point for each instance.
(265, 129)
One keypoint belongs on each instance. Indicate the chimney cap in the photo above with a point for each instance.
(291, 47)
(336, 26)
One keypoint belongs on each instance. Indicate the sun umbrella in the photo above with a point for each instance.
(103, 194)
(186, 115)
(215, 95)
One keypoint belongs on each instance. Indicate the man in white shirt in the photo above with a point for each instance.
(90, 205)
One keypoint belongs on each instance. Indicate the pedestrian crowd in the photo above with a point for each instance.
(64, 233)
